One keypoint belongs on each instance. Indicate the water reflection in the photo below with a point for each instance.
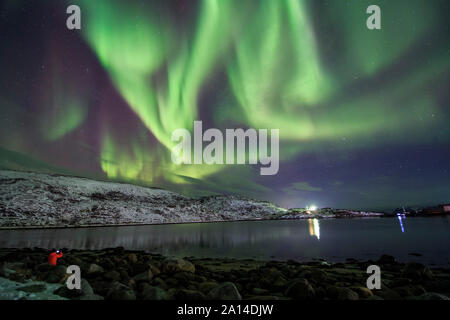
(293, 239)
(314, 228)
(400, 219)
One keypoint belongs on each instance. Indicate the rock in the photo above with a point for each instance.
(388, 294)
(432, 296)
(184, 278)
(417, 271)
(144, 276)
(73, 260)
(139, 267)
(107, 264)
(342, 293)
(441, 285)
(404, 291)
(56, 274)
(5, 270)
(119, 291)
(259, 291)
(224, 291)
(400, 282)
(279, 283)
(131, 283)
(85, 293)
(207, 286)
(159, 283)
(44, 267)
(318, 275)
(171, 293)
(387, 259)
(320, 293)
(32, 288)
(417, 290)
(300, 289)
(363, 292)
(155, 270)
(112, 275)
(171, 282)
(154, 293)
(94, 269)
(173, 265)
(60, 270)
(132, 258)
(342, 284)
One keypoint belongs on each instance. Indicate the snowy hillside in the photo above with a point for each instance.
(35, 199)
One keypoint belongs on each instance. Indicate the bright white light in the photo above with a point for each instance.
(312, 208)
(316, 228)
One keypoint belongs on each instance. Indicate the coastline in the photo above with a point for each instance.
(45, 227)
(37, 200)
(168, 223)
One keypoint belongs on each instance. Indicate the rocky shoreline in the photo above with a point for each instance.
(119, 274)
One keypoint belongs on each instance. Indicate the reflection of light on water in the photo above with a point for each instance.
(314, 228)
(400, 219)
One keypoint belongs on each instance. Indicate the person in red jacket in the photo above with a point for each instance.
(54, 256)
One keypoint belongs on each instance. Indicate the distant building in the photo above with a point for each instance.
(445, 207)
(434, 210)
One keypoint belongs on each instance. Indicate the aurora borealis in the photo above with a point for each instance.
(363, 114)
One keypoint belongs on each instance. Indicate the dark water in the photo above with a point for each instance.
(333, 239)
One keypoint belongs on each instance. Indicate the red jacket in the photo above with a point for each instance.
(53, 257)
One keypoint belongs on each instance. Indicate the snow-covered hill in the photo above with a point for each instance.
(36, 199)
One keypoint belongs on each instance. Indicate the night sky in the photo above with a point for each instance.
(364, 115)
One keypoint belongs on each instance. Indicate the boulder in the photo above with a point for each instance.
(342, 293)
(417, 271)
(404, 291)
(318, 275)
(259, 291)
(432, 296)
(112, 275)
(132, 258)
(155, 270)
(173, 265)
(207, 286)
(119, 291)
(154, 293)
(363, 292)
(56, 274)
(388, 294)
(400, 282)
(84, 293)
(224, 291)
(144, 276)
(94, 269)
(159, 283)
(300, 289)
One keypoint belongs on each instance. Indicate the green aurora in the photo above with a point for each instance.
(336, 90)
